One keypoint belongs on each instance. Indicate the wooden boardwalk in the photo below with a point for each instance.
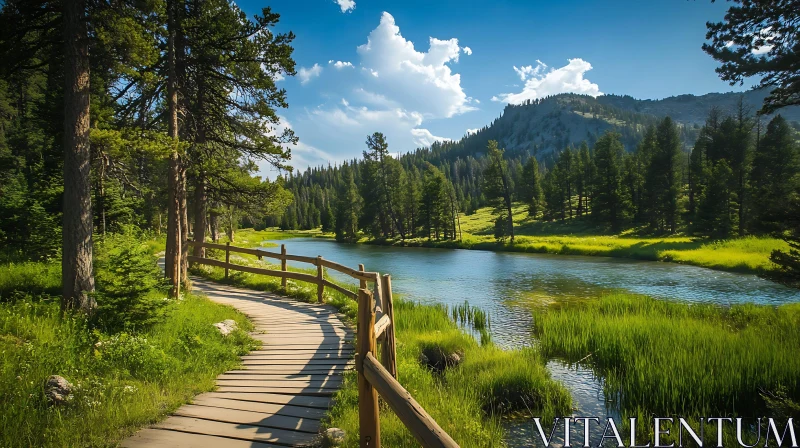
(282, 390)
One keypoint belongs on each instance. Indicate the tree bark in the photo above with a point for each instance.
(174, 249)
(199, 213)
(76, 262)
(213, 218)
(184, 222)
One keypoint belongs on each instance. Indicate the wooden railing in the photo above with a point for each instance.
(375, 323)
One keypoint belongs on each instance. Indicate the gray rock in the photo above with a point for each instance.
(453, 359)
(226, 327)
(334, 437)
(57, 390)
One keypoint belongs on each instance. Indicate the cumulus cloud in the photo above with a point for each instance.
(306, 74)
(467, 51)
(472, 131)
(346, 5)
(421, 81)
(303, 154)
(396, 89)
(340, 64)
(540, 82)
(424, 138)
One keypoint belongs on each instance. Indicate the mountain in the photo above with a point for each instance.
(542, 127)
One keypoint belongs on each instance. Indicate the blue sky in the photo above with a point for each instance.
(425, 70)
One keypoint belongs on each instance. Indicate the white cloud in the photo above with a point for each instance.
(305, 74)
(424, 138)
(768, 36)
(472, 131)
(529, 71)
(396, 89)
(420, 81)
(540, 82)
(303, 154)
(346, 5)
(467, 51)
(340, 64)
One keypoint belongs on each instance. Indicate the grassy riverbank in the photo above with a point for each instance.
(749, 254)
(465, 400)
(122, 380)
(665, 358)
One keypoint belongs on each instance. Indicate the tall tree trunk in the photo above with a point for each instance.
(76, 262)
(199, 213)
(174, 250)
(184, 221)
(213, 218)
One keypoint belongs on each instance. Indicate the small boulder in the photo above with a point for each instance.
(57, 390)
(226, 327)
(334, 437)
(437, 359)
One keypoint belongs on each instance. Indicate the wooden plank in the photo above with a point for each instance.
(331, 384)
(345, 351)
(264, 408)
(340, 289)
(293, 370)
(419, 423)
(249, 418)
(235, 431)
(368, 411)
(279, 399)
(295, 362)
(301, 258)
(304, 391)
(262, 271)
(381, 325)
(256, 376)
(357, 274)
(153, 437)
(389, 351)
(278, 358)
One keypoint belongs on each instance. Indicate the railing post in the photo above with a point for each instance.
(368, 418)
(361, 282)
(320, 278)
(227, 257)
(283, 265)
(389, 351)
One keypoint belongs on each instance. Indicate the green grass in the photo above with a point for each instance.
(254, 238)
(578, 237)
(29, 278)
(673, 358)
(466, 400)
(123, 382)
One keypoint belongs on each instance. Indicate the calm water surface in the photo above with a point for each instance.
(508, 285)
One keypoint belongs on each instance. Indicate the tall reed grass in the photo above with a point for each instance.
(673, 358)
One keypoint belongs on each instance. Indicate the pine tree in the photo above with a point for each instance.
(775, 179)
(348, 208)
(716, 210)
(609, 203)
(662, 183)
(497, 188)
(532, 187)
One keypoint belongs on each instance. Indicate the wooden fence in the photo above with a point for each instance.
(375, 323)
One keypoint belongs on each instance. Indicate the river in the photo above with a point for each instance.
(507, 285)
